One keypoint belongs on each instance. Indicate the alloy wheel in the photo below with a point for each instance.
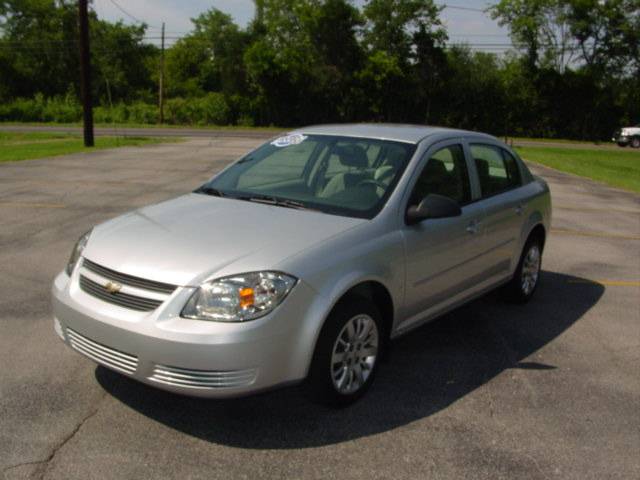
(354, 354)
(530, 270)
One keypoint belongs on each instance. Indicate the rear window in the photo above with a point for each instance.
(497, 169)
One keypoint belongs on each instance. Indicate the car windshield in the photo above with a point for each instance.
(333, 174)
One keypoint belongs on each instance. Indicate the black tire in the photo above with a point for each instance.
(515, 291)
(623, 145)
(635, 142)
(320, 383)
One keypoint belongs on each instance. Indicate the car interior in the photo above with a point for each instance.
(350, 173)
(497, 170)
(444, 174)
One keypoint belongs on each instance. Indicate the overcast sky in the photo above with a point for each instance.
(474, 27)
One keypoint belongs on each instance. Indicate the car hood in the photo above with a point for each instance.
(186, 240)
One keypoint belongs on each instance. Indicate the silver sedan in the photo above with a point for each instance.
(303, 259)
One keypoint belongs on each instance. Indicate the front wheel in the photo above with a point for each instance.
(525, 279)
(347, 353)
(635, 142)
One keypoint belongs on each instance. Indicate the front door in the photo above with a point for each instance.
(443, 256)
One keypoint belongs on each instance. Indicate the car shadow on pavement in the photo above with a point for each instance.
(427, 371)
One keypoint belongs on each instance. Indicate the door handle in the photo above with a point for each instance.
(473, 227)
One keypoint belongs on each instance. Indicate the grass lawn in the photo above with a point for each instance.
(25, 146)
(616, 168)
(515, 141)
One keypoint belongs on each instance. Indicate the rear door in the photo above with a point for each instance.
(443, 259)
(504, 204)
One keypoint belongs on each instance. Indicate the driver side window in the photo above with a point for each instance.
(444, 174)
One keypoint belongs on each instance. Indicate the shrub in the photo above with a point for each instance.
(39, 109)
(61, 110)
(210, 109)
(142, 113)
(106, 114)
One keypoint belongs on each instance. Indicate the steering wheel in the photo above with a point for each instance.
(371, 181)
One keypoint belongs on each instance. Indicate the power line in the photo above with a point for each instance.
(457, 7)
(134, 18)
(498, 35)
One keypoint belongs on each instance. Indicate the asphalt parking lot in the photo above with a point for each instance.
(549, 390)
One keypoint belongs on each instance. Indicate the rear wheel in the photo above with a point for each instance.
(525, 279)
(347, 353)
(635, 142)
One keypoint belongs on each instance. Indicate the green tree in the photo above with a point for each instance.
(225, 43)
(540, 27)
(303, 60)
(189, 68)
(122, 62)
(380, 80)
(431, 74)
(475, 97)
(404, 39)
(391, 24)
(40, 47)
(210, 59)
(608, 34)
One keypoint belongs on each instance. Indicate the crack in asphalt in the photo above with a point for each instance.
(22, 464)
(44, 464)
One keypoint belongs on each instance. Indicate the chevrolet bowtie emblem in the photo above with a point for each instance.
(113, 288)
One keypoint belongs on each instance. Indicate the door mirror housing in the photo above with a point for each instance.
(433, 206)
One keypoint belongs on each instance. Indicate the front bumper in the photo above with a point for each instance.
(196, 358)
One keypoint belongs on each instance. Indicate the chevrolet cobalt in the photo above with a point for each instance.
(303, 259)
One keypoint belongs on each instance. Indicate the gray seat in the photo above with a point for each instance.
(352, 156)
(385, 173)
(434, 179)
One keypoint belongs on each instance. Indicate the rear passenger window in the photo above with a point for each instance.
(444, 174)
(497, 169)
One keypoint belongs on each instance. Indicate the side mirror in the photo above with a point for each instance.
(433, 206)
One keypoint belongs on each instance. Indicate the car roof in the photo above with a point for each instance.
(388, 131)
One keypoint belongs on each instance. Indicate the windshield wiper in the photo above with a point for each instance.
(210, 191)
(279, 202)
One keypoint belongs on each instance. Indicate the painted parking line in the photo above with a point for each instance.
(607, 283)
(584, 233)
(31, 205)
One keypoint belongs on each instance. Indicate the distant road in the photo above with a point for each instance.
(249, 133)
(147, 131)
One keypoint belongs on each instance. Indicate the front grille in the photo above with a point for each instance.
(109, 357)
(125, 300)
(128, 279)
(208, 379)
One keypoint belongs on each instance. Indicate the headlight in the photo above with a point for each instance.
(239, 298)
(76, 253)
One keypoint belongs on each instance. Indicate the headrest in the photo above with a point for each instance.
(395, 158)
(483, 167)
(351, 156)
(436, 168)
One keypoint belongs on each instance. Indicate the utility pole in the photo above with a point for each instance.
(85, 76)
(161, 81)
